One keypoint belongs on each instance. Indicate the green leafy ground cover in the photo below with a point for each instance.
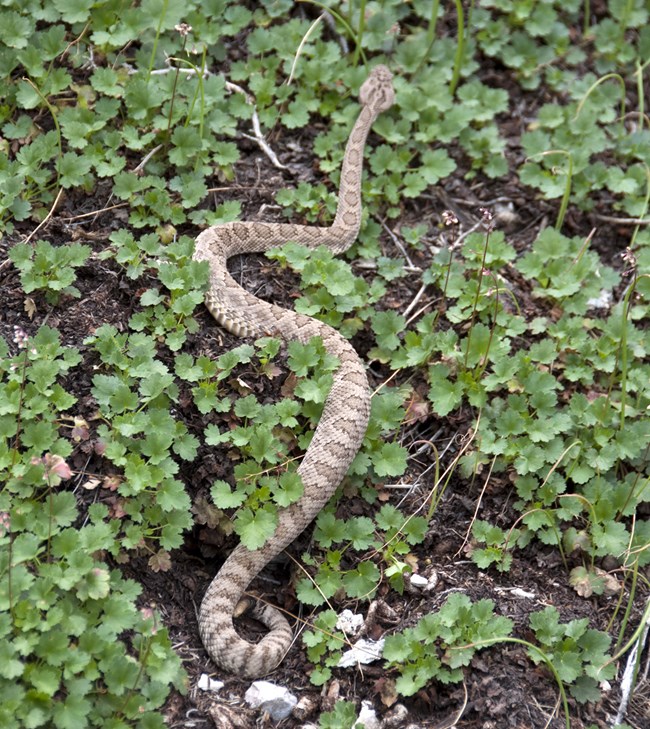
(499, 292)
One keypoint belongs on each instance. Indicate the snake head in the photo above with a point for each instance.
(377, 90)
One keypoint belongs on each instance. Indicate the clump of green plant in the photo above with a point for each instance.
(565, 454)
(48, 268)
(325, 644)
(443, 642)
(390, 534)
(565, 151)
(331, 291)
(169, 316)
(577, 652)
(498, 545)
(77, 650)
(140, 437)
(265, 477)
(342, 715)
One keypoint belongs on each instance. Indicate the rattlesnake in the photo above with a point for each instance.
(343, 423)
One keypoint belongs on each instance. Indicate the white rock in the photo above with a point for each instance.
(425, 584)
(205, 683)
(349, 622)
(363, 651)
(515, 592)
(396, 717)
(525, 594)
(275, 700)
(602, 301)
(418, 581)
(306, 706)
(367, 717)
(505, 214)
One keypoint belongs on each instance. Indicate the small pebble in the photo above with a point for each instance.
(349, 622)
(276, 701)
(205, 683)
(425, 584)
(363, 651)
(368, 717)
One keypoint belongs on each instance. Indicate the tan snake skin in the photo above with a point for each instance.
(343, 424)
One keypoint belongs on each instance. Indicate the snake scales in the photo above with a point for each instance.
(343, 423)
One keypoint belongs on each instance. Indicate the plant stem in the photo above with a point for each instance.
(360, 28)
(460, 47)
(586, 17)
(171, 104)
(157, 38)
(433, 21)
(476, 298)
(606, 77)
(342, 20)
(542, 655)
